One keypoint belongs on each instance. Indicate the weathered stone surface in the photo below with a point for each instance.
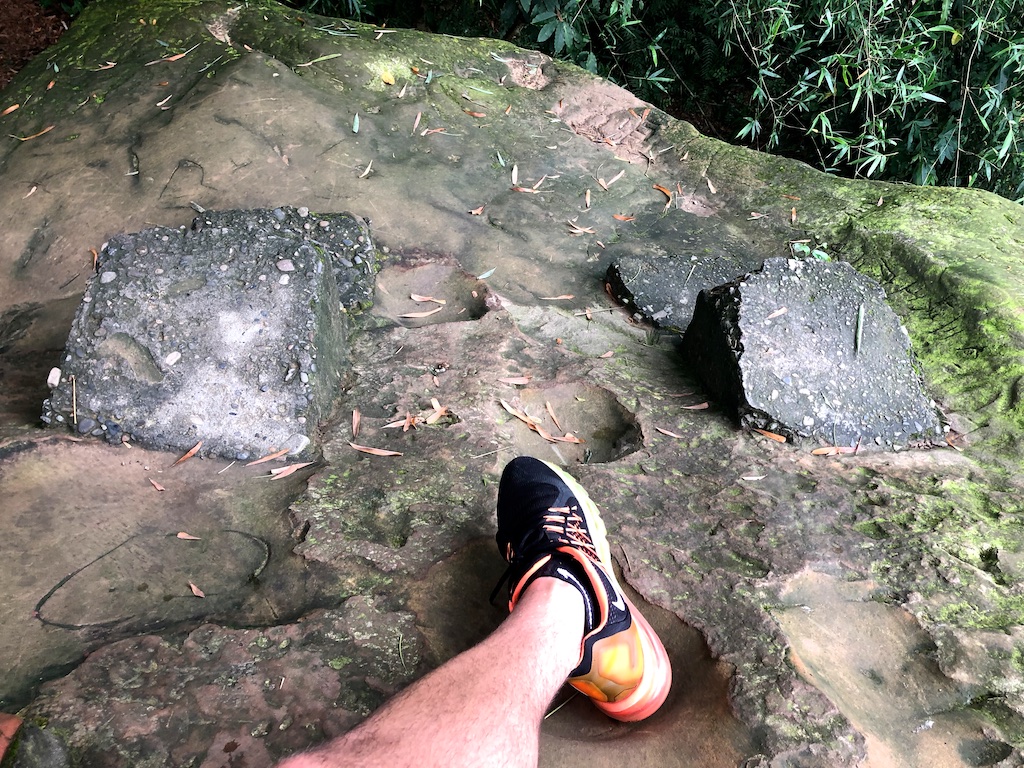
(230, 332)
(712, 525)
(812, 349)
(659, 278)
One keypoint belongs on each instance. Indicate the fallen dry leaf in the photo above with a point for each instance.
(268, 457)
(416, 123)
(563, 297)
(9, 727)
(771, 435)
(356, 417)
(156, 485)
(438, 412)
(551, 413)
(777, 313)
(477, 211)
(833, 450)
(623, 217)
(187, 536)
(429, 131)
(567, 438)
(47, 129)
(277, 474)
(418, 297)
(427, 313)
(586, 198)
(474, 114)
(607, 354)
(665, 190)
(196, 590)
(670, 434)
(515, 174)
(792, 216)
(791, 197)
(526, 189)
(697, 407)
(374, 451)
(616, 177)
(508, 109)
(711, 187)
(191, 452)
(387, 77)
(9, 109)
(515, 380)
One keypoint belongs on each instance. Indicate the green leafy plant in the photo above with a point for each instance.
(929, 92)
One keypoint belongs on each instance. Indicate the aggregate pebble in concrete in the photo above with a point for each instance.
(811, 349)
(232, 332)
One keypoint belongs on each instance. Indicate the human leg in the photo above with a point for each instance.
(569, 618)
(482, 708)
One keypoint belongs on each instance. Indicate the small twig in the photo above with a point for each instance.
(74, 400)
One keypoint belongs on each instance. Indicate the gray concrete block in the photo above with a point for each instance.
(231, 332)
(811, 349)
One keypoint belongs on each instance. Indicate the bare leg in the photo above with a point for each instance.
(482, 708)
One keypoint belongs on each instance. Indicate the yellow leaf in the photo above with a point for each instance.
(387, 77)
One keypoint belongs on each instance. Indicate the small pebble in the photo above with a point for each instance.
(172, 358)
(54, 378)
(108, 277)
(286, 265)
(303, 211)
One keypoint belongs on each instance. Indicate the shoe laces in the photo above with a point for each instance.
(560, 527)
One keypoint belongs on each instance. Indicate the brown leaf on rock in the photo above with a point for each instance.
(771, 435)
(374, 451)
(191, 452)
(155, 484)
(623, 217)
(277, 474)
(551, 413)
(356, 417)
(697, 407)
(196, 590)
(428, 313)
(477, 211)
(670, 434)
(418, 297)
(563, 297)
(9, 109)
(268, 457)
(471, 113)
(833, 450)
(187, 536)
(514, 379)
(47, 129)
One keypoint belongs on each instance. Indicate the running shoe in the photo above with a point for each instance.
(548, 526)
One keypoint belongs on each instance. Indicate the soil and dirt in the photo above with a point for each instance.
(756, 561)
(26, 29)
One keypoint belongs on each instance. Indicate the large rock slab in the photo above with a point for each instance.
(812, 349)
(659, 277)
(231, 332)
